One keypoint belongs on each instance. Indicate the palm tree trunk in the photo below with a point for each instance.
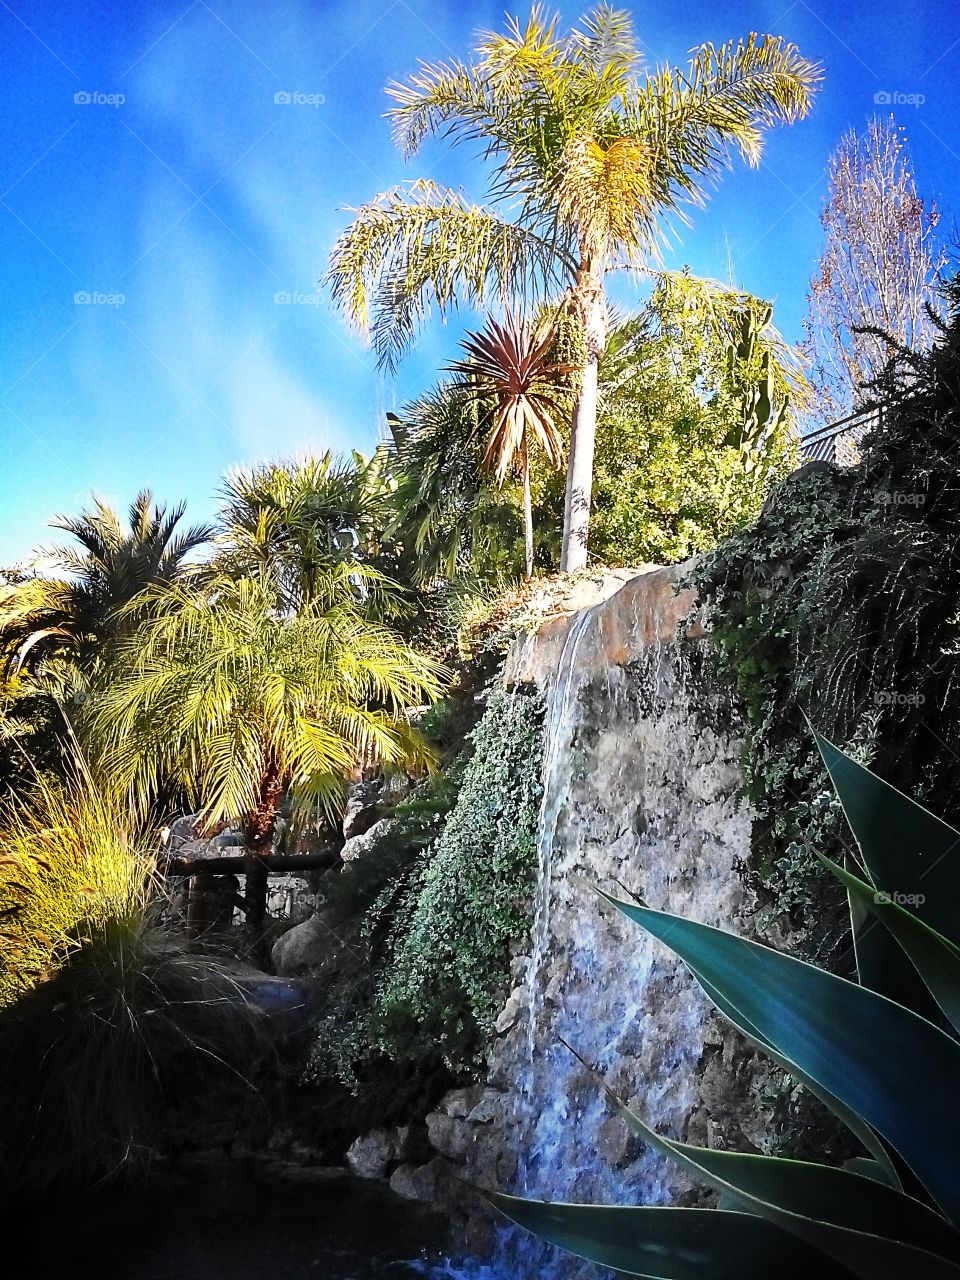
(588, 300)
(527, 511)
(583, 431)
(262, 825)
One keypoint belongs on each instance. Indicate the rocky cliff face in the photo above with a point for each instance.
(641, 782)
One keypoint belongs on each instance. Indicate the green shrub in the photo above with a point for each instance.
(69, 865)
(450, 954)
(839, 604)
(442, 897)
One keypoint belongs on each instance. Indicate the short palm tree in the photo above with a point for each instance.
(589, 155)
(242, 704)
(447, 518)
(293, 520)
(76, 617)
(510, 364)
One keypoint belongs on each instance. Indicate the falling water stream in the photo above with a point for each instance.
(638, 798)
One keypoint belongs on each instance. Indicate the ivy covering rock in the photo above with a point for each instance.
(840, 605)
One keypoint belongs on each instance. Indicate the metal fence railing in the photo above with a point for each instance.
(839, 442)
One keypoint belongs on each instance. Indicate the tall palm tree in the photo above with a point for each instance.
(511, 363)
(241, 703)
(75, 617)
(589, 157)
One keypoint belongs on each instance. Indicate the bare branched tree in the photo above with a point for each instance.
(878, 271)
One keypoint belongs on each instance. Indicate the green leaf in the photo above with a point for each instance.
(936, 959)
(843, 1113)
(672, 1244)
(869, 1169)
(876, 1231)
(908, 852)
(895, 1069)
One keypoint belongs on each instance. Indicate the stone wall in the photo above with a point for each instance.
(641, 779)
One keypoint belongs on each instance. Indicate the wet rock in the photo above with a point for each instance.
(510, 1014)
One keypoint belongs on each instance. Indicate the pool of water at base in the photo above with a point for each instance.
(242, 1224)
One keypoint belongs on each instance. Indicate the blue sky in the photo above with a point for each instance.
(147, 165)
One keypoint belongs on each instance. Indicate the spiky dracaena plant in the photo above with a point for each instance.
(588, 154)
(511, 364)
(886, 1067)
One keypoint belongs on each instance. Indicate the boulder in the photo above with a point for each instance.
(360, 811)
(452, 1136)
(419, 1181)
(180, 832)
(358, 846)
(460, 1102)
(372, 1154)
(304, 947)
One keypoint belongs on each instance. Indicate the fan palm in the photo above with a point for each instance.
(588, 158)
(512, 364)
(240, 704)
(76, 617)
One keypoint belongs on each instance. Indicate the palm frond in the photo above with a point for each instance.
(725, 100)
(425, 246)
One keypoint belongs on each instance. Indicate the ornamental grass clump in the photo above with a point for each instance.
(104, 1026)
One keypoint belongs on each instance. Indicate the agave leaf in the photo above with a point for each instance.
(935, 957)
(879, 1233)
(843, 1113)
(869, 1169)
(881, 963)
(892, 1067)
(671, 1244)
(906, 849)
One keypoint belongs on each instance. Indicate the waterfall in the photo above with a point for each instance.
(639, 798)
